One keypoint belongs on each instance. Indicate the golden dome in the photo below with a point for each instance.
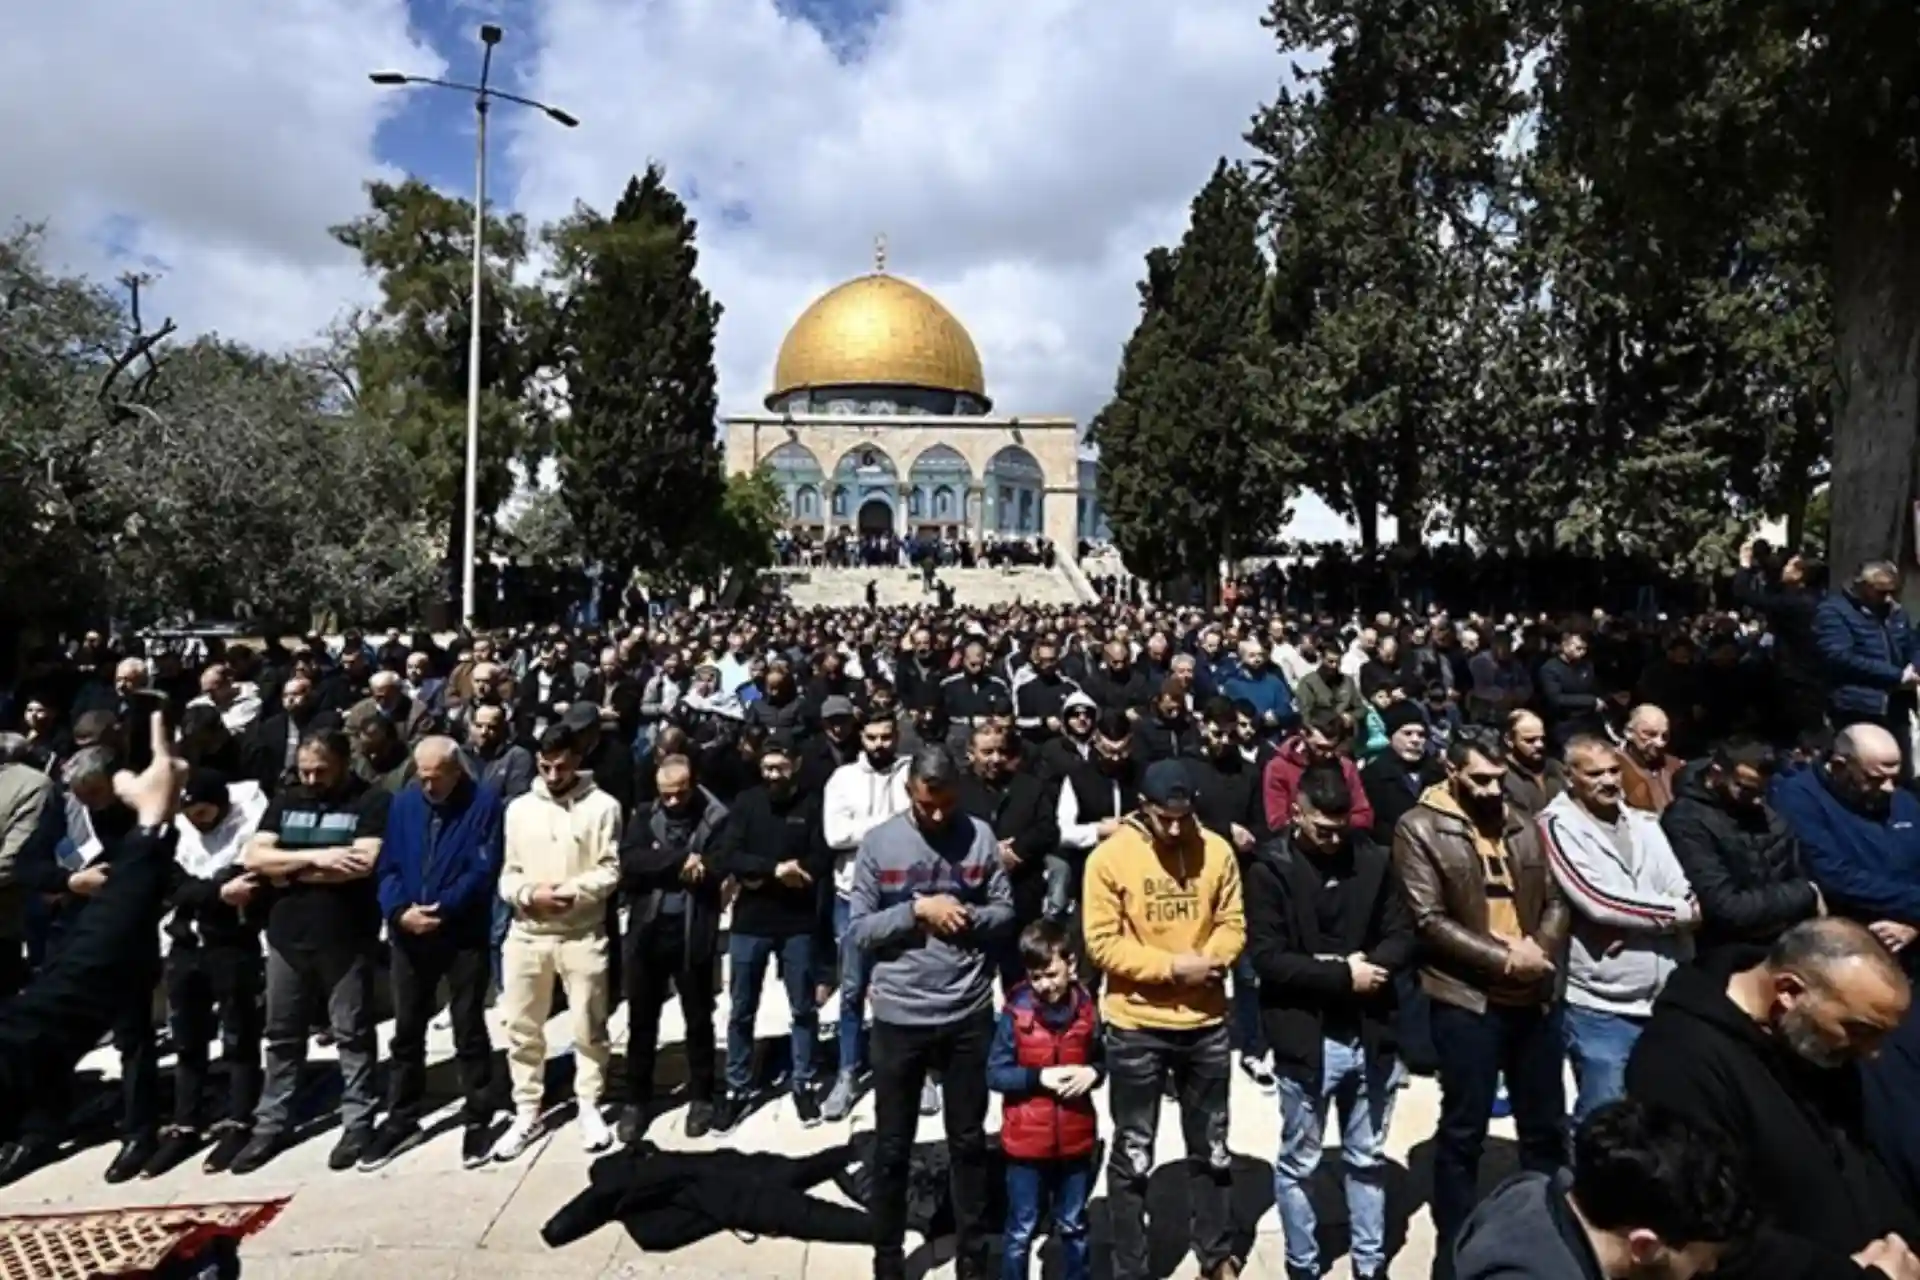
(878, 330)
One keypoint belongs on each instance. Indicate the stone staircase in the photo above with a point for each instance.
(972, 588)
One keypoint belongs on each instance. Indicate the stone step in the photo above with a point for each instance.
(897, 588)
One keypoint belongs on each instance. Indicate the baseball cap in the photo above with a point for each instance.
(836, 707)
(581, 716)
(1168, 785)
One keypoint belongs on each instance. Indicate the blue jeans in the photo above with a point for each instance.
(746, 970)
(855, 969)
(1597, 1047)
(1032, 1185)
(1363, 1092)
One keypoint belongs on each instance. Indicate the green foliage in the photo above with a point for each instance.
(1387, 205)
(147, 478)
(1753, 163)
(1552, 273)
(638, 449)
(405, 362)
(542, 531)
(1189, 464)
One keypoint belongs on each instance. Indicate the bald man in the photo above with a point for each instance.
(387, 693)
(1859, 833)
(1647, 768)
(1771, 1057)
(438, 873)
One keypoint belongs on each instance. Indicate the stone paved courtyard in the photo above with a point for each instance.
(426, 1218)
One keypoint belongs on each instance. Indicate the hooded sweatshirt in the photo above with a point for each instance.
(1526, 1230)
(1633, 910)
(571, 840)
(1142, 905)
(859, 798)
(1821, 1192)
(1282, 779)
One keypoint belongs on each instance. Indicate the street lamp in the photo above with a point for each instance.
(490, 35)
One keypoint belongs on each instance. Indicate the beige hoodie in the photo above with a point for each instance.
(572, 841)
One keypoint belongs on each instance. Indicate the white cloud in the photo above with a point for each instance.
(1021, 157)
(212, 140)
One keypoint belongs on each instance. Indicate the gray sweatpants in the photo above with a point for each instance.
(296, 982)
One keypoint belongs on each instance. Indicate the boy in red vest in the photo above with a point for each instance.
(1046, 1059)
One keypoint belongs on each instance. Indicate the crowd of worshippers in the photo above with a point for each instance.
(1042, 853)
(927, 549)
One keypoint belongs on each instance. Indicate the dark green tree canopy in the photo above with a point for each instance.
(639, 456)
(1189, 462)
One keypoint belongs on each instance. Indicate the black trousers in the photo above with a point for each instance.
(14, 968)
(419, 966)
(139, 1050)
(216, 992)
(1200, 1062)
(656, 959)
(902, 1057)
(84, 989)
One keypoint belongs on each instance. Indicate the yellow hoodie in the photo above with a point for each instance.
(1141, 908)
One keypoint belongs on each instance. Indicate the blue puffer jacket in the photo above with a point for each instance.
(1863, 653)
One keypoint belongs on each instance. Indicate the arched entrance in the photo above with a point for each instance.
(876, 517)
(1015, 492)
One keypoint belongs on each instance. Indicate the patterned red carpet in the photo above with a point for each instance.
(121, 1242)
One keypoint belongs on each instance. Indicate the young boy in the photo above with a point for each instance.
(1046, 1060)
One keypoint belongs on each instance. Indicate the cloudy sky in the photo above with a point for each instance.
(1020, 156)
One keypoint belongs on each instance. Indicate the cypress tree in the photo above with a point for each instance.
(639, 456)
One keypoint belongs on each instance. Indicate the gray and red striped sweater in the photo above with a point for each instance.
(1633, 910)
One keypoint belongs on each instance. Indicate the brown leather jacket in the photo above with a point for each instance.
(1648, 789)
(1446, 889)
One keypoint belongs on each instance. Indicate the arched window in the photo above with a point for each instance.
(943, 503)
(840, 502)
(915, 503)
(806, 503)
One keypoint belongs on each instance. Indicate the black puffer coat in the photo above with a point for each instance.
(1744, 866)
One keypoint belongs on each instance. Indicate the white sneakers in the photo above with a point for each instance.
(595, 1136)
(513, 1144)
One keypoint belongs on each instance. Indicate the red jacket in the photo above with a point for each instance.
(1282, 779)
(1034, 1124)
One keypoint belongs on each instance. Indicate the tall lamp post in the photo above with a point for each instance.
(490, 36)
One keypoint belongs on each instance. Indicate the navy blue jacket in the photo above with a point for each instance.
(1868, 870)
(1862, 654)
(458, 872)
(1267, 693)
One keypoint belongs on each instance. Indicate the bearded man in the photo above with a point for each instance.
(1770, 1058)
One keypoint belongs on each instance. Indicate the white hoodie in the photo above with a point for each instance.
(858, 799)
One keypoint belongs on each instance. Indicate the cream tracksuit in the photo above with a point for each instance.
(572, 841)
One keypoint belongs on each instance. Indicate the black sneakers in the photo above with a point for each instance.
(699, 1118)
(258, 1153)
(728, 1114)
(175, 1146)
(347, 1152)
(132, 1158)
(229, 1140)
(390, 1141)
(476, 1145)
(806, 1105)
